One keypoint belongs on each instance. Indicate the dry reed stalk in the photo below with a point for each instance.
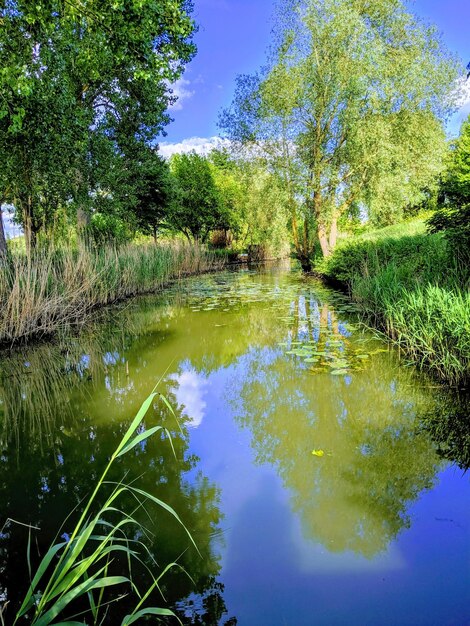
(59, 287)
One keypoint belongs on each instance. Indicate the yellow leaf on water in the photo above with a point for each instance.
(318, 452)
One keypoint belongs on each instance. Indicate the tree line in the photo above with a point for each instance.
(84, 93)
(345, 122)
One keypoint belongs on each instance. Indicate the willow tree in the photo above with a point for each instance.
(351, 104)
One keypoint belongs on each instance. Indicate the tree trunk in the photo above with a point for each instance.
(3, 241)
(29, 231)
(154, 229)
(83, 219)
(333, 233)
(323, 239)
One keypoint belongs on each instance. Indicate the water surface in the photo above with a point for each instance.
(323, 479)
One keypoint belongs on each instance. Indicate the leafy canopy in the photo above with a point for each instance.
(351, 105)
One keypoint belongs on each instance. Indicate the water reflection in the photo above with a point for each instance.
(448, 423)
(369, 461)
(299, 377)
(41, 484)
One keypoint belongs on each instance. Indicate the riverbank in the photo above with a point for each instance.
(410, 287)
(60, 287)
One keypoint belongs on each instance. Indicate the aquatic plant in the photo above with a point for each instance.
(58, 287)
(81, 567)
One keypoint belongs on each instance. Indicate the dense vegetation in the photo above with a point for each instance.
(341, 131)
(59, 287)
(413, 279)
(411, 286)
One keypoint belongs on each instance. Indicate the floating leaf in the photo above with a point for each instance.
(339, 372)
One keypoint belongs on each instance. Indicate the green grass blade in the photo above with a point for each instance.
(166, 507)
(135, 422)
(142, 437)
(92, 583)
(46, 561)
(130, 619)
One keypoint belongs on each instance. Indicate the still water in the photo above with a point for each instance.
(322, 479)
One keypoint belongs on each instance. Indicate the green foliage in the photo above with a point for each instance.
(196, 209)
(455, 185)
(228, 181)
(350, 107)
(366, 254)
(455, 222)
(409, 286)
(84, 89)
(108, 228)
(265, 211)
(83, 564)
(154, 194)
(453, 216)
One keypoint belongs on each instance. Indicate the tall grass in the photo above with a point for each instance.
(411, 287)
(81, 567)
(57, 287)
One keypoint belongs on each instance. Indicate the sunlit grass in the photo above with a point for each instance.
(410, 286)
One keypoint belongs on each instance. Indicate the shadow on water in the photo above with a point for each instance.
(351, 434)
(448, 423)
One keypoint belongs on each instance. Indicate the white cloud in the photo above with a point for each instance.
(181, 90)
(200, 145)
(189, 391)
(11, 229)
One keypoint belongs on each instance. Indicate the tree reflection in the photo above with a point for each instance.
(41, 489)
(65, 406)
(375, 461)
(448, 423)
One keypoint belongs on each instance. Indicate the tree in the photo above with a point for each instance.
(455, 185)
(38, 123)
(351, 105)
(453, 215)
(156, 189)
(228, 178)
(196, 208)
(77, 75)
(265, 211)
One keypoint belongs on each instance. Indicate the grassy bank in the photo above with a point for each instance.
(410, 286)
(56, 288)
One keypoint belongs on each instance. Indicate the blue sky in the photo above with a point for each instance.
(232, 39)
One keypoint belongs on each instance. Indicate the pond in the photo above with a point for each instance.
(322, 479)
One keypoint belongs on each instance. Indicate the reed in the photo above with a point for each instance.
(57, 287)
(80, 568)
(411, 287)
